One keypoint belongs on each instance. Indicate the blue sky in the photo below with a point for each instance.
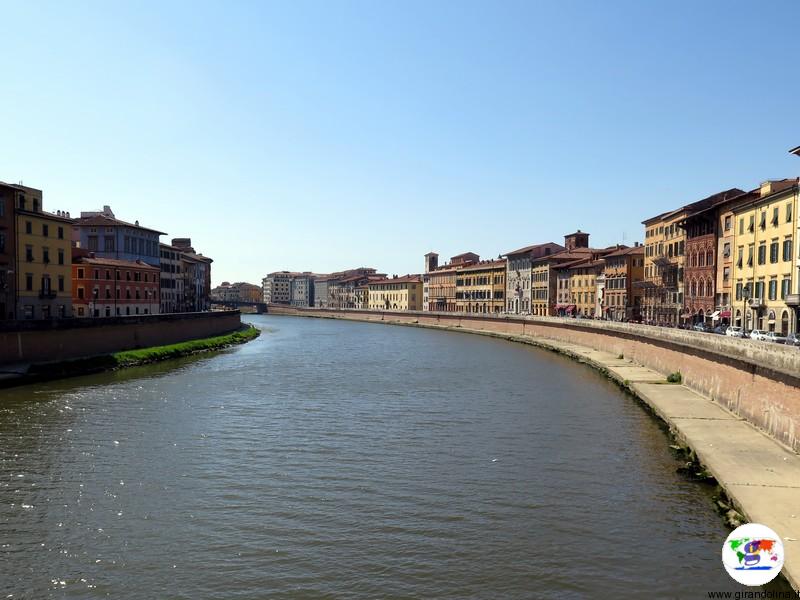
(327, 135)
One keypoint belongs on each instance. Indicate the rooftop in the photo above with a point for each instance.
(113, 262)
(531, 248)
(403, 279)
(101, 220)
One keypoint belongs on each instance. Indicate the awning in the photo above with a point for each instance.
(570, 308)
(715, 315)
(725, 314)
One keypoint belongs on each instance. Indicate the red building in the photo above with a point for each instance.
(108, 287)
(700, 268)
(8, 245)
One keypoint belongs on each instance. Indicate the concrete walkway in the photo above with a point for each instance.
(760, 476)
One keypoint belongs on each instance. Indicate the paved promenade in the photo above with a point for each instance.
(759, 475)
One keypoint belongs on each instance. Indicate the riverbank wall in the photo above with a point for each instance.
(29, 342)
(756, 381)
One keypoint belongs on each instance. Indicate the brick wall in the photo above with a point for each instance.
(32, 341)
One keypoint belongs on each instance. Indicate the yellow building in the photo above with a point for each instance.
(397, 293)
(726, 252)
(665, 249)
(764, 258)
(480, 287)
(43, 259)
(583, 286)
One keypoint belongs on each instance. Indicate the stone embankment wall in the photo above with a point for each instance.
(757, 381)
(36, 342)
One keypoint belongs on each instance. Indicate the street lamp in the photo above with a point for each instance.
(745, 298)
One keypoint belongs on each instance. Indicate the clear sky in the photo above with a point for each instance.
(327, 135)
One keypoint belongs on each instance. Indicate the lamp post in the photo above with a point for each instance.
(745, 298)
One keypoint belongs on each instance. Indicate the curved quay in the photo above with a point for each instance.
(736, 413)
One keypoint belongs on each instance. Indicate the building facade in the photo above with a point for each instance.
(8, 248)
(480, 287)
(622, 297)
(43, 259)
(583, 286)
(171, 292)
(106, 236)
(241, 291)
(765, 258)
(396, 293)
(106, 287)
(665, 247)
(700, 270)
(519, 264)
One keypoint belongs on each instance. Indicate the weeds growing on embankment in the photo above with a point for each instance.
(127, 358)
(130, 358)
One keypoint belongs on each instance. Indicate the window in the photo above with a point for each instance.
(762, 253)
(739, 260)
(93, 242)
(789, 212)
(752, 225)
(61, 256)
(80, 292)
(787, 249)
(773, 252)
(773, 289)
(2, 238)
(775, 216)
(29, 282)
(61, 233)
(60, 283)
(726, 274)
(741, 226)
(786, 285)
(28, 227)
(762, 223)
(108, 243)
(29, 253)
(727, 223)
(45, 230)
(759, 290)
(80, 311)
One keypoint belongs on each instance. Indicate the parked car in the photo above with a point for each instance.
(793, 339)
(773, 336)
(735, 331)
(721, 329)
(758, 334)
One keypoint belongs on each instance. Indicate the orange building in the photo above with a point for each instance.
(108, 287)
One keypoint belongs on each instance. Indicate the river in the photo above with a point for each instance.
(332, 459)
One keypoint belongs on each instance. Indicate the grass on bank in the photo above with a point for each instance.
(129, 358)
(156, 353)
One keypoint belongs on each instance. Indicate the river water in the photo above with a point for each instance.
(333, 459)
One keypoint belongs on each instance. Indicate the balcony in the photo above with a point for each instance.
(756, 303)
(792, 299)
(47, 294)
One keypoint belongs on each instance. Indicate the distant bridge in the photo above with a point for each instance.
(261, 307)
